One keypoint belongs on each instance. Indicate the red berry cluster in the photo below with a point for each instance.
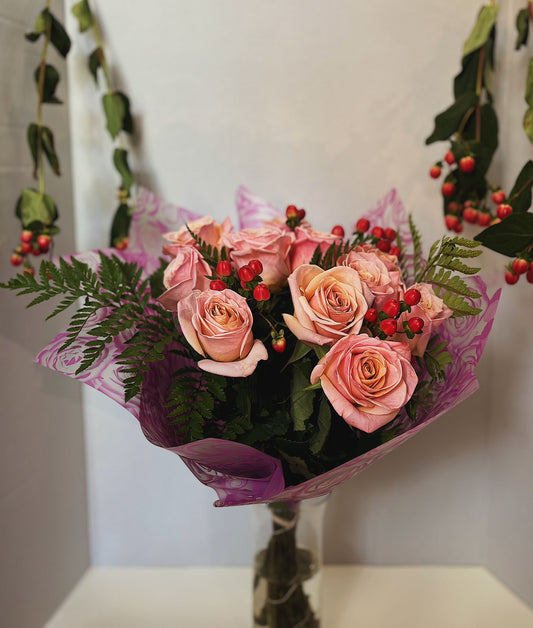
(385, 322)
(472, 210)
(248, 277)
(30, 243)
(519, 266)
(294, 216)
(121, 243)
(382, 238)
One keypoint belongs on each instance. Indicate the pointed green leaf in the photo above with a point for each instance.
(51, 80)
(301, 400)
(448, 122)
(527, 123)
(520, 195)
(42, 24)
(114, 113)
(522, 28)
(509, 237)
(482, 28)
(120, 160)
(529, 84)
(300, 350)
(59, 37)
(121, 224)
(318, 441)
(82, 12)
(466, 80)
(127, 123)
(33, 138)
(47, 138)
(36, 207)
(96, 60)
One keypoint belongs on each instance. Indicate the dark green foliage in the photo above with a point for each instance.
(522, 28)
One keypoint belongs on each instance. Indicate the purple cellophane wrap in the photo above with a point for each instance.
(238, 473)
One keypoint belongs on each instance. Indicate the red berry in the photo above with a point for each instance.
(511, 278)
(384, 245)
(415, 324)
(470, 214)
(391, 308)
(362, 225)
(467, 164)
(458, 227)
(246, 274)
(378, 232)
(224, 268)
(448, 189)
(483, 219)
(301, 214)
(388, 326)
(390, 234)
(279, 344)
(449, 158)
(529, 275)
(256, 266)
(520, 266)
(291, 212)
(36, 251)
(121, 245)
(451, 221)
(26, 247)
(217, 284)
(261, 292)
(503, 210)
(468, 203)
(454, 208)
(498, 197)
(434, 172)
(29, 270)
(43, 241)
(26, 236)
(395, 250)
(371, 315)
(412, 296)
(16, 260)
(338, 231)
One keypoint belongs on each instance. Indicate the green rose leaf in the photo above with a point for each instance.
(121, 223)
(447, 122)
(482, 29)
(120, 160)
(51, 80)
(520, 196)
(317, 442)
(42, 24)
(33, 139)
(47, 138)
(522, 28)
(35, 207)
(301, 399)
(509, 237)
(466, 80)
(82, 12)
(96, 60)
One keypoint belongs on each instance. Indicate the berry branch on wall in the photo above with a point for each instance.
(470, 124)
(37, 210)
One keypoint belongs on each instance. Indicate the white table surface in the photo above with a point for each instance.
(353, 597)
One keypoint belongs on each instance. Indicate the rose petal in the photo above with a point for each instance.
(237, 368)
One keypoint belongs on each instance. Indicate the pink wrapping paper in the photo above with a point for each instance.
(238, 473)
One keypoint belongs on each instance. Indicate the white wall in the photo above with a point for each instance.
(43, 513)
(325, 104)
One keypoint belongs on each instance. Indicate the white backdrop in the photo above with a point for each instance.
(327, 105)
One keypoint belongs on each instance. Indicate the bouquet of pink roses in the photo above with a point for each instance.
(276, 360)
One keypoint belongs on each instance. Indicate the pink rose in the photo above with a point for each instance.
(185, 273)
(205, 228)
(367, 380)
(218, 324)
(328, 304)
(432, 310)
(270, 245)
(376, 279)
(307, 240)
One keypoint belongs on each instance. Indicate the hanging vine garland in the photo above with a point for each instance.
(470, 124)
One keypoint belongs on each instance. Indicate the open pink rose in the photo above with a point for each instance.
(432, 310)
(376, 279)
(218, 325)
(307, 240)
(367, 380)
(270, 245)
(185, 273)
(328, 304)
(205, 228)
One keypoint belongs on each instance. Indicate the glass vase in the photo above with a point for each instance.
(288, 563)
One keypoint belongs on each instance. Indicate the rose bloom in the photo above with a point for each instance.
(307, 240)
(218, 325)
(328, 304)
(185, 273)
(376, 279)
(205, 228)
(432, 310)
(367, 380)
(270, 245)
